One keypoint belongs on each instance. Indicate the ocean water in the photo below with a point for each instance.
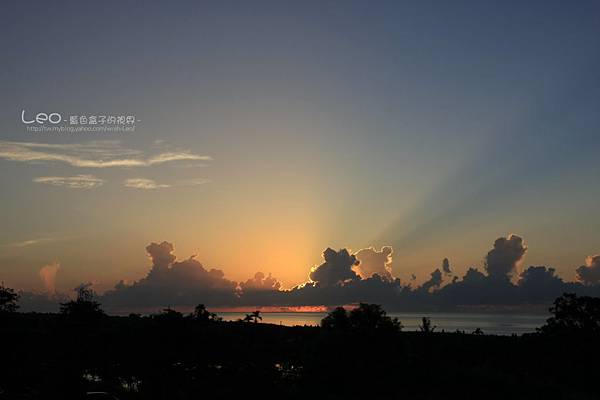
(490, 323)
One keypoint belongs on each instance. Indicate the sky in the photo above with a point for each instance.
(266, 132)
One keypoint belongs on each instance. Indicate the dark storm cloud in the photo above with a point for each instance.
(336, 269)
(502, 260)
(589, 274)
(373, 262)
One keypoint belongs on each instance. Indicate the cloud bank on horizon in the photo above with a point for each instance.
(343, 278)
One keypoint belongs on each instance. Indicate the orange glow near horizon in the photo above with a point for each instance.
(273, 309)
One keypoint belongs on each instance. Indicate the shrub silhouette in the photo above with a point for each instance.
(8, 300)
(477, 332)
(574, 315)
(426, 326)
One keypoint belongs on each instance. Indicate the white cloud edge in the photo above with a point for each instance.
(71, 182)
(94, 154)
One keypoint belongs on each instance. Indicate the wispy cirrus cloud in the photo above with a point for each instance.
(144, 183)
(194, 182)
(150, 184)
(95, 154)
(31, 242)
(72, 182)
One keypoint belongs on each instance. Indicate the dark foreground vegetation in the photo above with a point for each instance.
(357, 354)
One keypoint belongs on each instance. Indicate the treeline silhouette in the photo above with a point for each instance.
(358, 353)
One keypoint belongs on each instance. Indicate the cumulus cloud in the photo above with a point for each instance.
(373, 262)
(143, 183)
(260, 282)
(434, 281)
(501, 262)
(537, 275)
(537, 285)
(95, 154)
(262, 290)
(71, 182)
(48, 275)
(173, 283)
(540, 283)
(589, 273)
(161, 255)
(336, 269)
(446, 266)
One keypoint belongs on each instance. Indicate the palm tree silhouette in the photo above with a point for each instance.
(253, 317)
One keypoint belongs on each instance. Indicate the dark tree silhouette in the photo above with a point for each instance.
(168, 315)
(337, 319)
(170, 356)
(8, 300)
(573, 315)
(373, 316)
(365, 316)
(426, 326)
(84, 307)
(201, 314)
